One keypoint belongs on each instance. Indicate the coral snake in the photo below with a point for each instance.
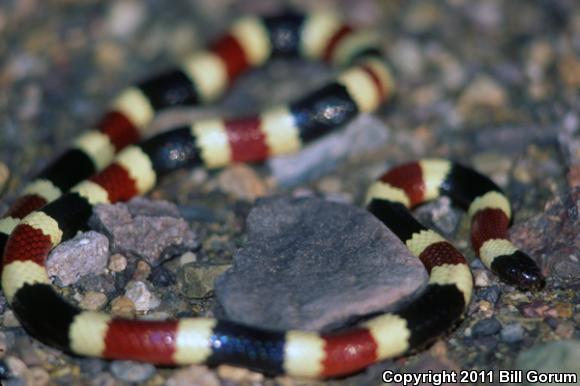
(59, 202)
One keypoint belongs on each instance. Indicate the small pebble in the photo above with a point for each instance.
(485, 306)
(193, 375)
(486, 327)
(422, 17)
(408, 57)
(242, 182)
(512, 333)
(564, 310)
(110, 55)
(481, 278)
(4, 176)
(483, 91)
(142, 298)
(491, 294)
(238, 375)
(130, 371)
(569, 69)
(117, 262)
(565, 330)
(122, 306)
(93, 301)
(125, 17)
(142, 271)
(37, 376)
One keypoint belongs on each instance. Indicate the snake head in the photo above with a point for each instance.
(520, 270)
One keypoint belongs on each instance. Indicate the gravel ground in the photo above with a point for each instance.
(493, 84)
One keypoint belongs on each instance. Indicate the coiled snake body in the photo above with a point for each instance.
(59, 202)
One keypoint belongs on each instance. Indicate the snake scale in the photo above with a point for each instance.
(112, 163)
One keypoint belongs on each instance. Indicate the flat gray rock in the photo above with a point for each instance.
(314, 264)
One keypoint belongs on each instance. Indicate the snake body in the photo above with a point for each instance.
(59, 202)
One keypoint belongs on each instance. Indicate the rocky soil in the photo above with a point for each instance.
(492, 84)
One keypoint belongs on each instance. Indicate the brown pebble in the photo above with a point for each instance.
(142, 271)
(439, 349)
(109, 55)
(238, 374)
(569, 69)
(483, 91)
(485, 306)
(123, 306)
(541, 53)
(93, 301)
(117, 262)
(242, 182)
(565, 330)
(37, 376)
(564, 310)
(4, 176)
